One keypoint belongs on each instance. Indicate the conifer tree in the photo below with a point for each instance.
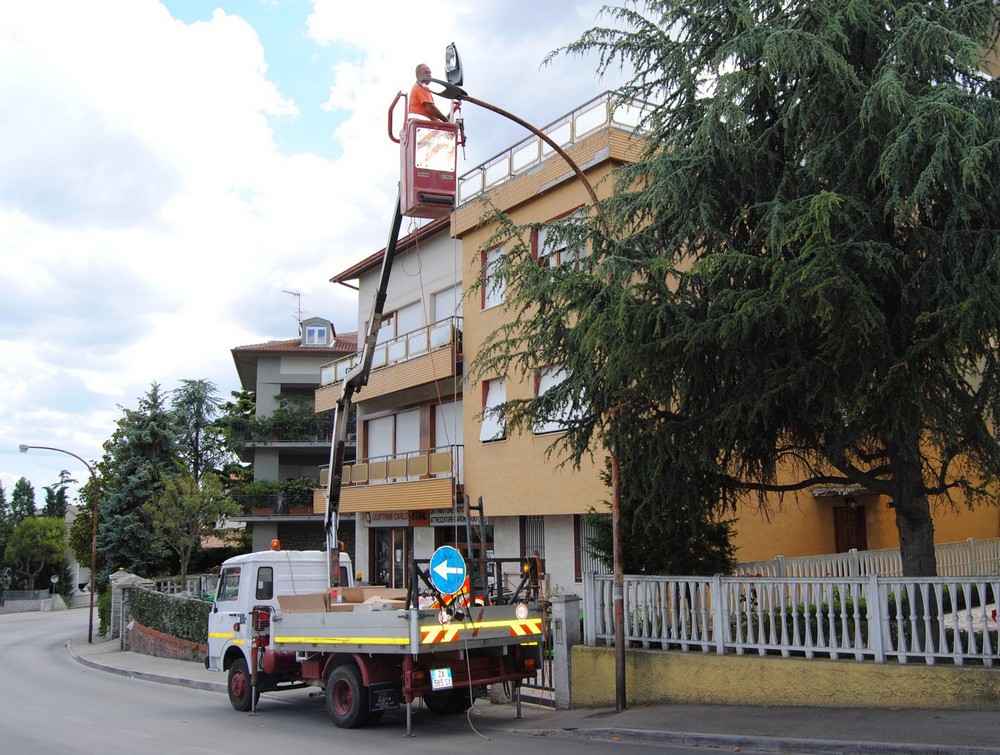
(142, 450)
(798, 283)
(22, 501)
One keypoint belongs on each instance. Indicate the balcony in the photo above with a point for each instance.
(274, 505)
(275, 498)
(601, 113)
(400, 482)
(263, 431)
(420, 357)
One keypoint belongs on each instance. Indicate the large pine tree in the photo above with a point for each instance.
(799, 283)
(140, 453)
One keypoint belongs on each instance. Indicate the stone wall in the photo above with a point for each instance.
(25, 606)
(142, 639)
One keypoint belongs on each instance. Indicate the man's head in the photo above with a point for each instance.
(423, 71)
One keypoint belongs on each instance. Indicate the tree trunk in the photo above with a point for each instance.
(913, 521)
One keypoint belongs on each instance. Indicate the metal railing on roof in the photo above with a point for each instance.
(601, 112)
(402, 348)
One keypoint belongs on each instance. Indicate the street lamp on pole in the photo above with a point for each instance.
(94, 495)
(452, 88)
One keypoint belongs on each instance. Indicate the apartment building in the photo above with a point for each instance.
(286, 441)
(408, 473)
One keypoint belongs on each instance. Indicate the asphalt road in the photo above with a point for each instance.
(49, 703)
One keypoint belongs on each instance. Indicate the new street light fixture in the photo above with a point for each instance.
(94, 494)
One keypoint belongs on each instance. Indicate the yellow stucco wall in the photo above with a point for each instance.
(663, 677)
(514, 474)
(802, 525)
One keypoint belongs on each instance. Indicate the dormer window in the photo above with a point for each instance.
(315, 335)
(316, 332)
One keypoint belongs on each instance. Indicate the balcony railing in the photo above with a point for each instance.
(263, 431)
(445, 461)
(399, 349)
(277, 504)
(600, 112)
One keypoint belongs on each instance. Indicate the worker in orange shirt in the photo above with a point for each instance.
(422, 100)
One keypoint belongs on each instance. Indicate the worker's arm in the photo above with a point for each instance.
(433, 112)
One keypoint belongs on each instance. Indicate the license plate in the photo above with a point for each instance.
(441, 678)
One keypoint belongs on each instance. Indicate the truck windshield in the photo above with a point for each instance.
(229, 584)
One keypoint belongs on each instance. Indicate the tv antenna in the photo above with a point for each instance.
(298, 303)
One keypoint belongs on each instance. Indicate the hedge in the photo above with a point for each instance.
(186, 618)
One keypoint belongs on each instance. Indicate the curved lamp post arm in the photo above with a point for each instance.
(94, 495)
(457, 93)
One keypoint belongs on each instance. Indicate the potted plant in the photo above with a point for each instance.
(298, 495)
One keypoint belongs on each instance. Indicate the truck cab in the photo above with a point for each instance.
(255, 580)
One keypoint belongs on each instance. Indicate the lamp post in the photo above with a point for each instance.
(452, 88)
(94, 495)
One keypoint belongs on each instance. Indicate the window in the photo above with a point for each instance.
(393, 434)
(265, 583)
(493, 285)
(448, 303)
(545, 380)
(400, 322)
(229, 584)
(448, 424)
(448, 432)
(494, 394)
(552, 247)
(584, 559)
(315, 334)
(533, 536)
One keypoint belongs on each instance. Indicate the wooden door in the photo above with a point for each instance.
(849, 528)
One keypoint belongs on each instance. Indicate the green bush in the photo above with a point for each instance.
(104, 610)
(186, 618)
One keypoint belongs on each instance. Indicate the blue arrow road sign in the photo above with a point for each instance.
(447, 569)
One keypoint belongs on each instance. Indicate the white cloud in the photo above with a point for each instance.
(149, 221)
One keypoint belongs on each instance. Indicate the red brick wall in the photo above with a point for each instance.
(142, 639)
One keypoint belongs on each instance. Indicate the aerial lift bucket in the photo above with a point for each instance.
(428, 151)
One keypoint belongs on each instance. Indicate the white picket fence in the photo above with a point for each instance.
(971, 557)
(881, 618)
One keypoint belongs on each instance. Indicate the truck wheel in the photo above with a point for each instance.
(239, 686)
(346, 697)
(448, 702)
(461, 700)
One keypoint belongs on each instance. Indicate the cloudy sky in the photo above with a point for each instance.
(168, 169)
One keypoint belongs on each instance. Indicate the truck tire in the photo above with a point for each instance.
(346, 697)
(239, 686)
(448, 702)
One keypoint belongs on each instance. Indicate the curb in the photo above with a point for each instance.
(145, 675)
(735, 742)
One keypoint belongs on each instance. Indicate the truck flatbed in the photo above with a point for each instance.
(374, 629)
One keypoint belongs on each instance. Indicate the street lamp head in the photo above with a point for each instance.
(24, 448)
(453, 65)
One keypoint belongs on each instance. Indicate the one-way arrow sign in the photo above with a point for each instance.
(447, 570)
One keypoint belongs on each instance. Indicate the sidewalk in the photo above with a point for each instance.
(788, 730)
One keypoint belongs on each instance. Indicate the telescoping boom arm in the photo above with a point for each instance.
(355, 380)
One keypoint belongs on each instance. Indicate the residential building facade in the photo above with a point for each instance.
(408, 474)
(286, 440)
